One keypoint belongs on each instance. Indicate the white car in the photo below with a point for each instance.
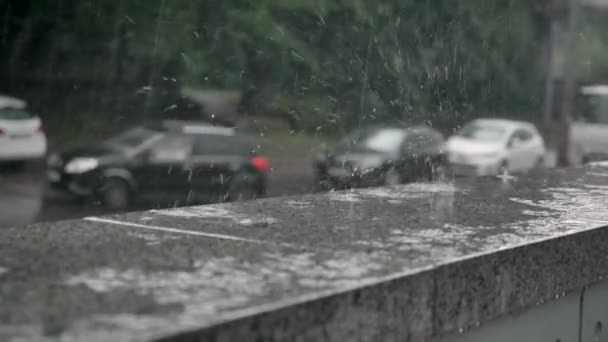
(21, 135)
(486, 147)
(589, 131)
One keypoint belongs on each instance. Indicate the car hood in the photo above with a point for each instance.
(471, 147)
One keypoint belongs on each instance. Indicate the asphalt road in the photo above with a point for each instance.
(25, 199)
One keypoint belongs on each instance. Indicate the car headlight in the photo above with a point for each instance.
(81, 165)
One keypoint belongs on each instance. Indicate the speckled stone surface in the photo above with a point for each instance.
(408, 263)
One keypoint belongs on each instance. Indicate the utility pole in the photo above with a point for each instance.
(550, 72)
(565, 155)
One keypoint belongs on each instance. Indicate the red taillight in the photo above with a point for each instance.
(260, 163)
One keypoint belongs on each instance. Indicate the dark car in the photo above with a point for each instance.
(382, 156)
(188, 162)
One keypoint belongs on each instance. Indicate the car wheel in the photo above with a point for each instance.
(115, 194)
(440, 173)
(392, 177)
(241, 189)
(322, 184)
(540, 163)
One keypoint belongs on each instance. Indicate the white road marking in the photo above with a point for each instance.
(171, 230)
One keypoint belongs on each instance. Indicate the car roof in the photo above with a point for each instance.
(11, 102)
(507, 123)
(197, 127)
(415, 128)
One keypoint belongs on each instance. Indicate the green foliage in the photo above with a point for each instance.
(327, 65)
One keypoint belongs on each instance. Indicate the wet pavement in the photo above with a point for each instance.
(25, 199)
(420, 259)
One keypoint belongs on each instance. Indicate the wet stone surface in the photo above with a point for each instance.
(405, 263)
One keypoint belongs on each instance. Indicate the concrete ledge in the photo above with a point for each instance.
(414, 262)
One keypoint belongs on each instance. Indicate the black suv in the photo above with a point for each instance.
(189, 161)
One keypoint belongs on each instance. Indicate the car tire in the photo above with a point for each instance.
(242, 189)
(323, 184)
(115, 194)
(540, 163)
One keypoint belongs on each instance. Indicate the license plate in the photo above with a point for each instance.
(53, 176)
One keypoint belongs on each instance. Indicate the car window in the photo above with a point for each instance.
(132, 138)
(172, 148)
(522, 135)
(482, 132)
(385, 140)
(220, 144)
(15, 114)
(423, 139)
(593, 108)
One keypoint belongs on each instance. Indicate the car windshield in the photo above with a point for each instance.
(9, 113)
(380, 140)
(486, 133)
(594, 108)
(131, 139)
